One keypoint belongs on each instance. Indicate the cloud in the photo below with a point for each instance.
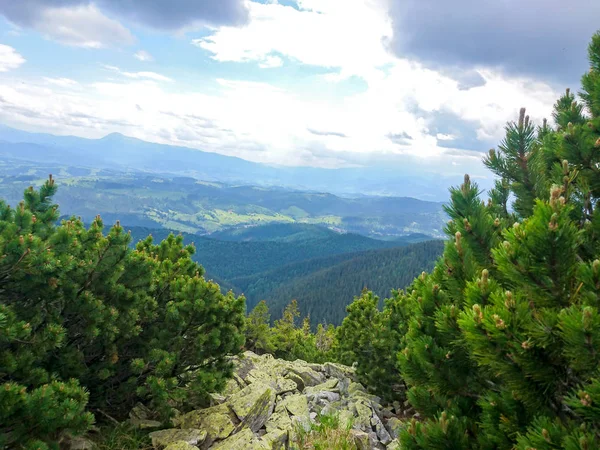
(544, 38)
(9, 58)
(402, 109)
(326, 133)
(445, 137)
(70, 22)
(139, 75)
(143, 56)
(356, 45)
(177, 14)
(271, 62)
(63, 82)
(86, 23)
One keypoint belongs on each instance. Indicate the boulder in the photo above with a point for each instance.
(330, 385)
(394, 445)
(393, 426)
(163, 438)
(244, 440)
(361, 439)
(295, 378)
(253, 405)
(80, 443)
(297, 405)
(309, 377)
(180, 445)
(217, 422)
(141, 417)
(277, 438)
(279, 420)
(339, 371)
(382, 434)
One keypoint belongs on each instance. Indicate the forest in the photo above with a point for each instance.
(497, 346)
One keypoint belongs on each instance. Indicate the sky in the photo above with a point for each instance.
(324, 83)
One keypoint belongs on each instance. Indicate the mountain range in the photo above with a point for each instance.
(121, 153)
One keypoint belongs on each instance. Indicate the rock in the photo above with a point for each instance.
(244, 440)
(297, 405)
(362, 419)
(394, 445)
(217, 399)
(330, 385)
(180, 445)
(276, 439)
(308, 376)
(231, 388)
(217, 421)
(163, 438)
(141, 417)
(81, 443)
(393, 426)
(270, 401)
(338, 371)
(323, 397)
(302, 423)
(355, 388)
(284, 385)
(382, 434)
(296, 379)
(316, 367)
(361, 439)
(279, 420)
(253, 405)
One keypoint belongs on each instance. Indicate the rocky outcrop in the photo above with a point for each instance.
(268, 399)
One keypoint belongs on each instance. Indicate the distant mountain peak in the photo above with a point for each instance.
(117, 137)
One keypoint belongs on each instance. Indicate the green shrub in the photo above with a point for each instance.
(86, 320)
(500, 344)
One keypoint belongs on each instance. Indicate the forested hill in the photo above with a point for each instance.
(323, 269)
(231, 259)
(324, 294)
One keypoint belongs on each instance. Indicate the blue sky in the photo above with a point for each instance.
(328, 83)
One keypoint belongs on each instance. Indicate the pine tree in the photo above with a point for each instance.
(259, 337)
(500, 344)
(85, 319)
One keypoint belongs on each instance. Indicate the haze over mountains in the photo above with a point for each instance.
(118, 152)
(271, 233)
(144, 184)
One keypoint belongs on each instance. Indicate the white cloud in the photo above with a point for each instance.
(9, 58)
(143, 56)
(139, 75)
(445, 137)
(271, 62)
(81, 26)
(347, 34)
(276, 124)
(63, 82)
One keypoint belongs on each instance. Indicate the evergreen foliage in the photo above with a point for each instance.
(288, 340)
(499, 345)
(85, 320)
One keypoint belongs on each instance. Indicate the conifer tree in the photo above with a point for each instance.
(259, 337)
(85, 319)
(500, 344)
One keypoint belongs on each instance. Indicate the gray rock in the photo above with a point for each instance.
(394, 425)
(163, 438)
(253, 405)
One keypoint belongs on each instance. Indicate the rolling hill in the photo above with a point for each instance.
(324, 270)
(194, 206)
